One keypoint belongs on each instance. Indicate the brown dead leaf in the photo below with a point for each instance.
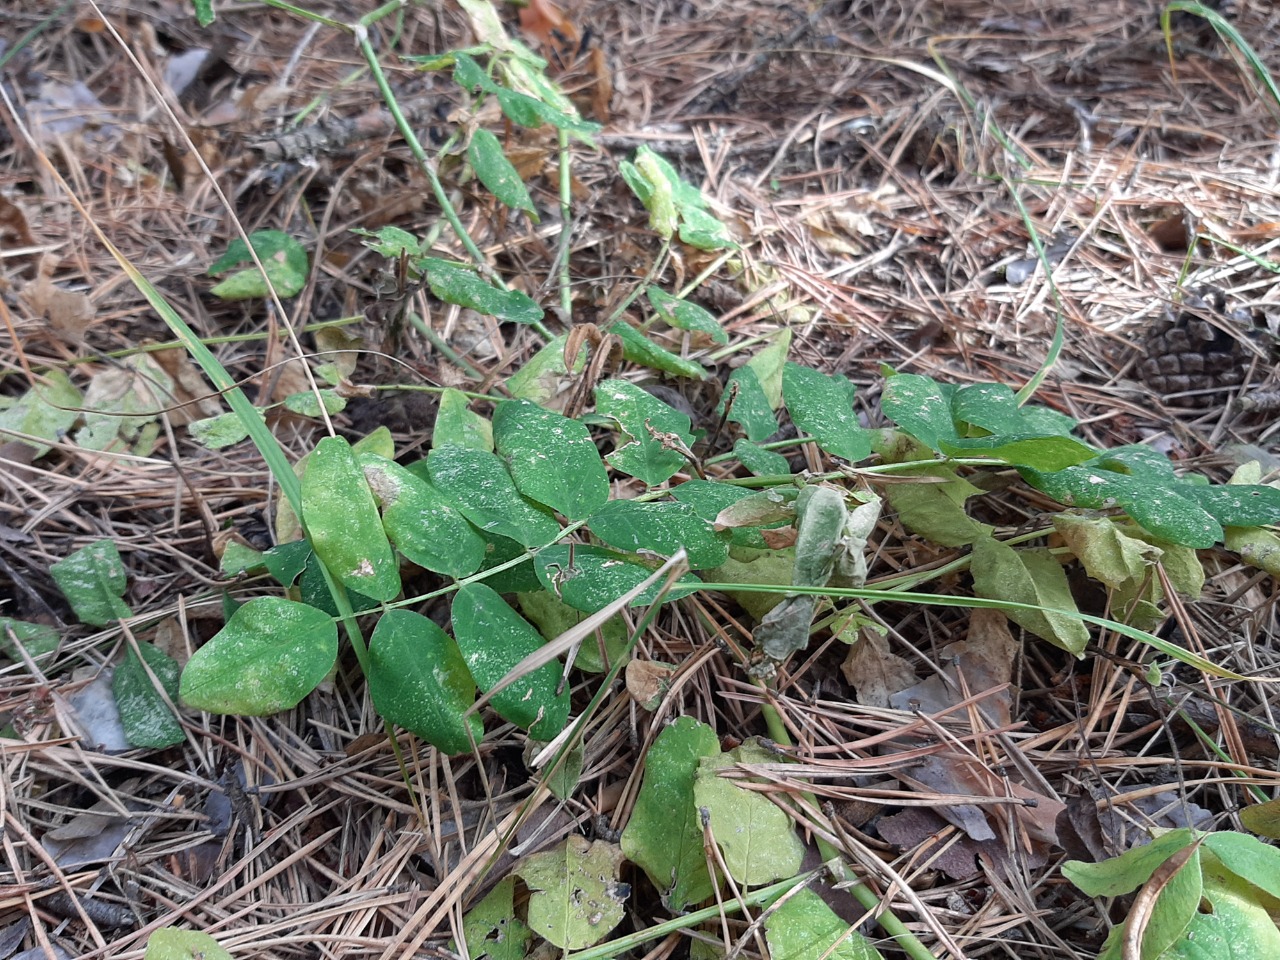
(602, 89)
(67, 313)
(193, 398)
(555, 33)
(13, 224)
(874, 672)
(648, 681)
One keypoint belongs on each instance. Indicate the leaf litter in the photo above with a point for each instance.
(870, 230)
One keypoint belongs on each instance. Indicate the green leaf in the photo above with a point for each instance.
(93, 581)
(45, 412)
(520, 578)
(662, 528)
(596, 577)
(919, 406)
(1262, 818)
(283, 258)
(552, 459)
(1248, 858)
(1029, 450)
(342, 522)
(204, 16)
(147, 719)
(470, 75)
(269, 656)
(170, 943)
(754, 834)
(664, 835)
(492, 929)
(821, 526)
(822, 405)
(648, 178)
(457, 424)
(641, 415)
(1155, 502)
(936, 511)
(803, 927)
(700, 229)
(455, 283)
(708, 498)
(418, 680)
(532, 113)
(494, 639)
(37, 639)
(992, 407)
(479, 485)
(746, 404)
(1233, 926)
(638, 348)
(287, 561)
(768, 365)
(1029, 576)
(496, 172)
(554, 617)
(313, 590)
(309, 403)
(542, 377)
(391, 242)
(1127, 872)
(576, 898)
(1174, 909)
(759, 461)
(420, 522)
(1236, 505)
(223, 430)
(684, 315)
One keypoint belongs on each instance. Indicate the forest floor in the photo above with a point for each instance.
(883, 167)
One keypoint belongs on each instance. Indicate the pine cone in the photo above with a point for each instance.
(1186, 352)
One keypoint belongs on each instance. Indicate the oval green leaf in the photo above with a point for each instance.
(596, 577)
(496, 172)
(93, 581)
(684, 315)
(645, 453)
(552, 459)
(147, 720)
(458, 424)
(638, 348)
(479, 485)
(493, 639)
(271, 654)
(662, 528)
(420, 522)
(418, 680)
(822, 406)
(342, 522)
(455, 283)
(744, 402)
